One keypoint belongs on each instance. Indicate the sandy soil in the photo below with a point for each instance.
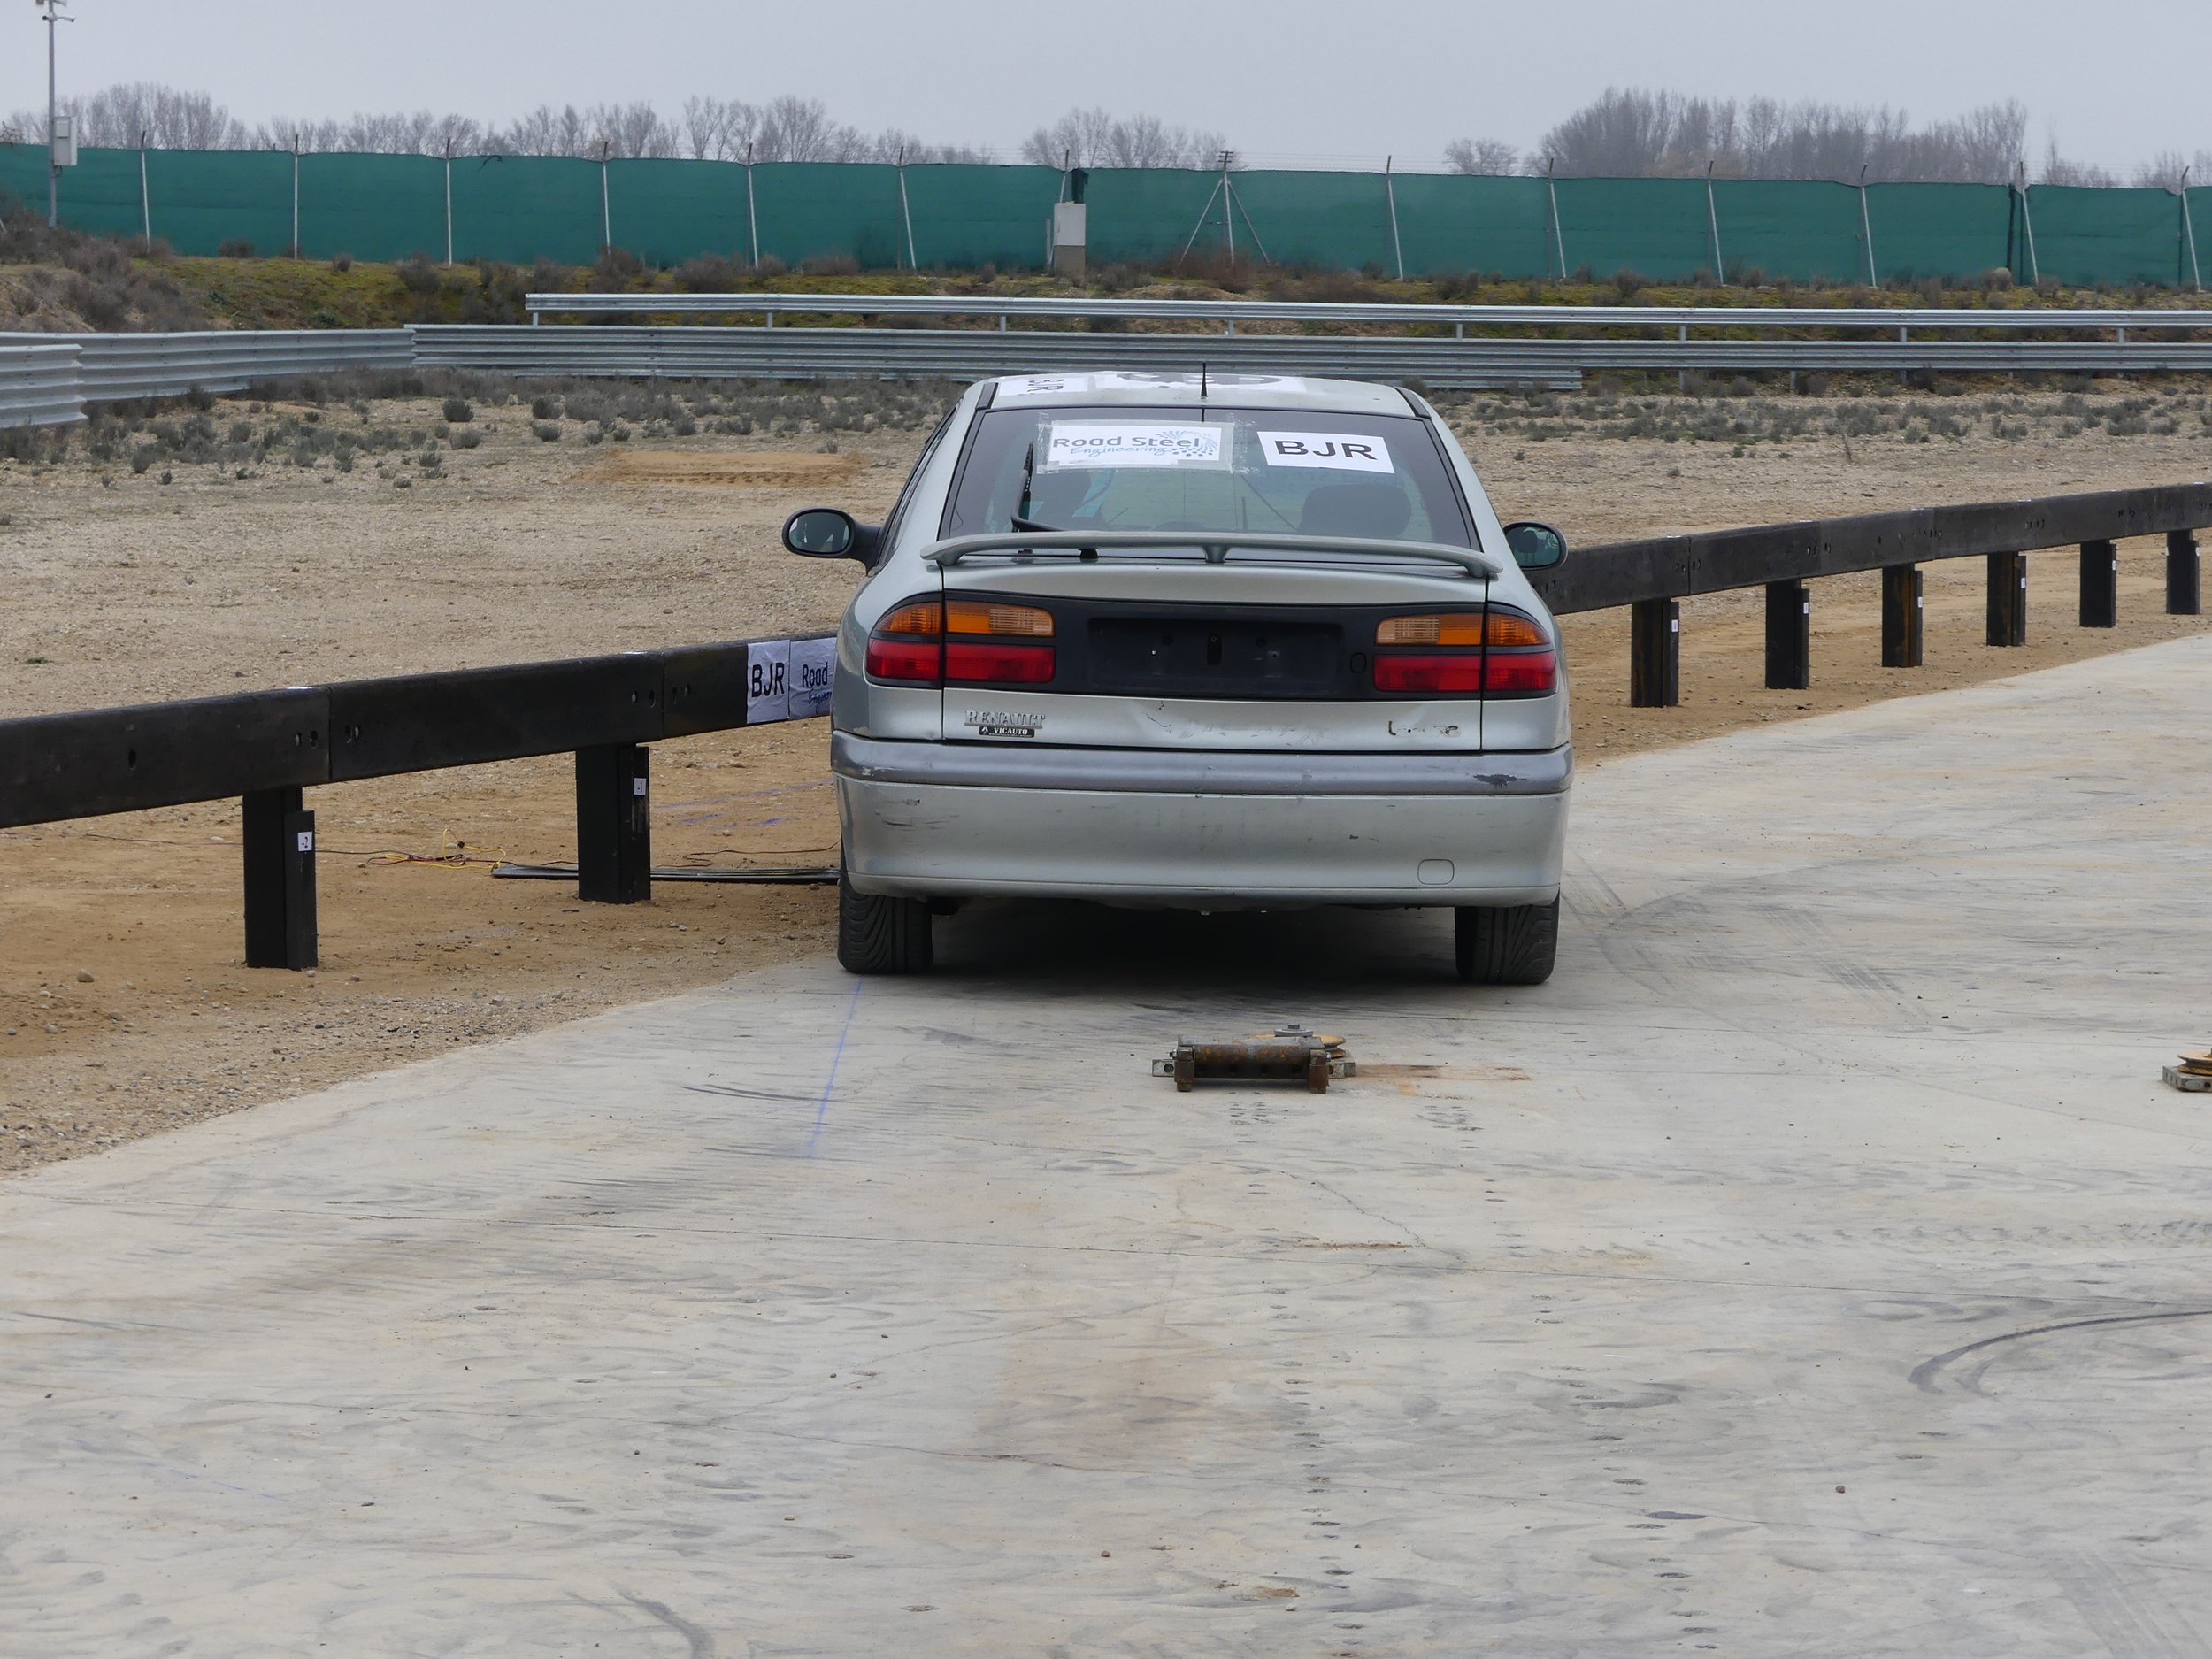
(123, 1003)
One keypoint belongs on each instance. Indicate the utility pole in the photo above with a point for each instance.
(55, 12)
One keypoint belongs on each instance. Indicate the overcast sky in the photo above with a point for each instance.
(1288, 81)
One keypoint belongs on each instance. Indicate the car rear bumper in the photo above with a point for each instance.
(1182, 829)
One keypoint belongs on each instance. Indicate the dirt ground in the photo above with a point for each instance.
(124, 1005)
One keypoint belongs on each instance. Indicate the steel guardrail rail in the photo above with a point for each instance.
(1679, 566)
(1626, 315)
(109, 368)
(1445, 362)
(267, 748)
(677, 352)
(83, 764)
(40, 384)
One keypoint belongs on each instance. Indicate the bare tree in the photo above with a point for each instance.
(121, 116)
(719, 130)
(1630, 133)
(2058, 170)
(1492, 157)
(1094, 138)
(2167, 169)
(545, 131)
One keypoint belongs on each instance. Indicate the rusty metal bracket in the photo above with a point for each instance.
(1289, 1054)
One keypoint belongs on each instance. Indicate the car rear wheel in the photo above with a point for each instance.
(881, 935)
(1514, 945)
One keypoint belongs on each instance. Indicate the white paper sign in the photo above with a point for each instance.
(813, 675)
(767, 682)
(1339, 451)
(1098, 444)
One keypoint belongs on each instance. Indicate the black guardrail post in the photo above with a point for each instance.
(1654, 653)
(279, 870)
(2183, 598)
(614, 837)
(1789, 636)
(2008, 599)
(1901, 612)
(2100, 585)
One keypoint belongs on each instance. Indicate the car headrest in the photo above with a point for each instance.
(1361, 509)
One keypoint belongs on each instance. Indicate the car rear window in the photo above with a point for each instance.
(1121, 468)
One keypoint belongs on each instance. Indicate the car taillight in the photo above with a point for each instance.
(970, 642)
(1494, 652)
(1424, 673)
(1496, 627)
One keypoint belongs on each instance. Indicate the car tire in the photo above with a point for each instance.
(877, 935)
(1512, 945)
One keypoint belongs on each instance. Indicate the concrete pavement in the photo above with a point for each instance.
(1815, 1266)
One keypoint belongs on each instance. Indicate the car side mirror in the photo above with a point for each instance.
(1536, 547)
(828, 533)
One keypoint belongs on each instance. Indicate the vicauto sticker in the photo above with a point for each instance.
(1340, 451)
(1098, 444)
(1027, 387)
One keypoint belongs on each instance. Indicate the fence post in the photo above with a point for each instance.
(1901, 612)
(1866, 229)
(752, 217)
(614, 840)
(1390, 196)
(2008, 609)
(1712, 222)
(2182, 596)
(606, 208)
(449, 209)
(1558, 235)
(145, 197)
(1789, 635)
(1654, 653)
(279, 839)
(906, 214)
(295, 197)
(2099, 584)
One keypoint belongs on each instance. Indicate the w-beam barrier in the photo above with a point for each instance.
(268, 747)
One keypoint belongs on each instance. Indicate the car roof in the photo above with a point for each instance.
(1094, 388)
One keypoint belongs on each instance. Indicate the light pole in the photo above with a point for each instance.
(55, 12)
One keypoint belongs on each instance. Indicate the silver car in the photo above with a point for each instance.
(1203, 643)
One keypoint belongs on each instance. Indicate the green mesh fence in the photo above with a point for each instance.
(524, 208)
(2084, 236)
(203, 200)
(1922, 230)
(372, 207)
(1807, 232)
(1655, 227)
(821, 210)
(967, 217)
(1450, 225)
(1330, 221)
(1139, 215)
(519, 209)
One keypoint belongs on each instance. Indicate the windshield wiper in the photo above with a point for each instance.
(1033, 527)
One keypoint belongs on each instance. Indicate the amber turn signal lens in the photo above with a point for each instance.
(1498, 626)
(924, 617)
(977, 616)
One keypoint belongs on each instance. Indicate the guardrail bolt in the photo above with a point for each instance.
(2008, 599)
(2183, 598)
(2100, 585)
(614, 837)
(1902, 610)
(280, 867)
(1789, 635)
(1654, 653)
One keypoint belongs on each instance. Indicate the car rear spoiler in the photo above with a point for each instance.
(1215, 544)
